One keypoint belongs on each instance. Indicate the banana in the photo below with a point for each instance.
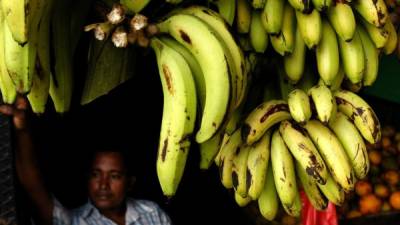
(379, 35)
(303, 150)
(295, 209)
(17, 19)
(304, 6)
(373, 11)
(272, 16)
(243, 16)
(268, 201)
(234, 121)
(134, 7)
(258, 4)
(391, 43)
(299, 106)
(257, 165)
(206, 48)
(327, 54)
(332, 152)
(371, 54)
(341, 17)
(322, 5)
(262, 118)
(227, 152)
(323, 101)
(310, 27)
(332, 191)
(294, 63)
(317, 199)
(353, 59)
(337, 81)
(258, 35)
(209, 149)
(242, 201)
(227, 9)
(179, 103)
(233, 52)
(283, 43)
(284, 171)
(239, 170)
(217, 159)
(352, 142)
(7, 88)
(361, 113)
(61, 79)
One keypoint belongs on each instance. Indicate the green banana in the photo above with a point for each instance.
(352, 142)
(179, 103)
(257, 164)
(341, 17)
(242, 201)
(258, 35)
(361, 113)
(332, 191)
(379, 35)
(304, 151)
(353, 59)
(391, 43)
(208, 51)
(337, 81)
(371, 54)
(323, 101)
(262, 118)
(283, 43)
(227, 9)
(17, 19)
(294, 63)
(333, 154)
(304, 6)
(295, 209)
(315, 196)
(310, 27)
(243, 16)
(227, 152)
(268, 201)
(322, 5)
(134, 6)
(209, 149)
(272, 16)
(327, 54)
(239, 170)
(258, 4)
(373, 11)
(299, 105)
(284, 171)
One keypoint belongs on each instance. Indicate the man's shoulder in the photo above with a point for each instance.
(143, 205)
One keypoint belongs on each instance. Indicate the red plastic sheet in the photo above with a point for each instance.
(311, 216)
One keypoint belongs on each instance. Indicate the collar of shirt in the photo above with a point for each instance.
(131, 215)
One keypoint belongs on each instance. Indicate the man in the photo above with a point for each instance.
(108, 184)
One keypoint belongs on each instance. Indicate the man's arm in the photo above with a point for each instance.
(26, 164)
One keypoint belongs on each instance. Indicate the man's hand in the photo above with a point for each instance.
(17, 111)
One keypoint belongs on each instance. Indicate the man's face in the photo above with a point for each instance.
(108, 182)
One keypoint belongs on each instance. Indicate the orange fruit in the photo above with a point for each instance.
(363, 188)
(391, 177)
(353, 214)
(370, 204)
(394, 200)
(375, 157)
(381, 191)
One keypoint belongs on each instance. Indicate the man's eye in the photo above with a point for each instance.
(116, 176)
(94, 174)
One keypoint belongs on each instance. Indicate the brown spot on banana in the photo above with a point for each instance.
(168, 79)
(185, 37)
(249, 179)
(164, 150)
(274, 109)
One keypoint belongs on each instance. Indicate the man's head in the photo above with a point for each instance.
(109, 180)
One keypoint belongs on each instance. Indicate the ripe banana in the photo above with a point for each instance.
(268, 201)
(373, 11)
(17, 19)
(327, 54)
(304, 151)
(239, 170)
(332, 152)
(391, 43)
(299, 106)
(310, 187)
(272, 16)
(324, 102)
(322, 5)
(332, 191)
(262, 118)
(242, 201)
(371, 54)
(208, 51)
(257, 164)
(310, 27)
(304, 6)
(209, 149)
(258, 35)
(353, 59)
(283, 43)
(295, 209)
(294, 63)
(227, 9)
(379, 35)
(243, 16)
(361, 113)
(341, 17)
(179, 103)
(352, 142)
(284, 171)
(227, 152)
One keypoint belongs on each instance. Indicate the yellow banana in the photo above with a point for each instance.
(227, 9)
(379, 35)
(258, 35)
(391, 43)
(294, 62)
(268, 201)
(371, 54)
(310, 27)
(242, 201)
(209, 149)
(299, 106)
(323, 101)
(304, 6)
(283, 43)
(272, 16)
(341, 17)
(373, 11)
(239, 170)
(322, 5)
(295, 209)
(243, 16)
(332, 191)
(226, 158)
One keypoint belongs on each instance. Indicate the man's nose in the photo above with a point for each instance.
(104, 182)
